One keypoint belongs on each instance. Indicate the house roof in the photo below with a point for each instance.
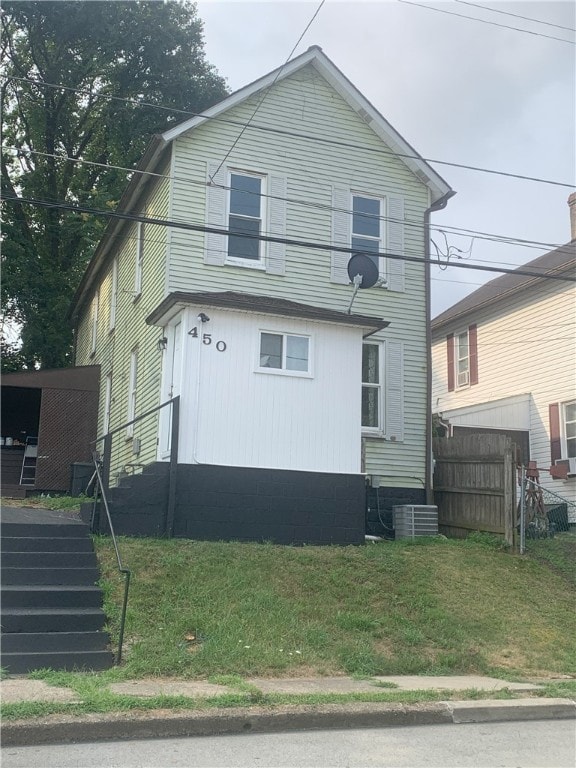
(561, 260)
(155, 151)
(246, 302)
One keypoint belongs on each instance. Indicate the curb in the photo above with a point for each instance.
(169, 724)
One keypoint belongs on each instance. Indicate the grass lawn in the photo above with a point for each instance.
(434, 606)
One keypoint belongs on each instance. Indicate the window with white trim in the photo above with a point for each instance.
(139, 259)
(245, 216)
(367, 234)
(132, 387)
(284, 353)
(94, 322)
(462, 359)
(372, 381)
(107, 404)
(569, 429)
(113, 295)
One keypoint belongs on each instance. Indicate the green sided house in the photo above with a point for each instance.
(302, 409)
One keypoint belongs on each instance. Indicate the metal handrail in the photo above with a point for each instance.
(127, 574)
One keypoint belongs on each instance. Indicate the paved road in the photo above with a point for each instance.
(550, 744)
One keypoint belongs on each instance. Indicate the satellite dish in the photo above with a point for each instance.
(363, 271)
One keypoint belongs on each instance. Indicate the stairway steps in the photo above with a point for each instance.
(51, 605)
(45, 544)
(35, 620)
(21, 663)
(48, 531)
(48, 559)
(49, 642)
(49, 576)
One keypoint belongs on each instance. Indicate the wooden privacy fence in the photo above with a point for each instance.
(475, 485)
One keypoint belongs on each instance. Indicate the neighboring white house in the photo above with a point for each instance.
(226, 283)
(504, 360)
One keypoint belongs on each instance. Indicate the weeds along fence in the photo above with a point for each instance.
(475, 485)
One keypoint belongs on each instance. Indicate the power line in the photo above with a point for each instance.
(308, 137)
(515, 15)
(450, 229)
(484, 21)
(267, 90)
(282, 240)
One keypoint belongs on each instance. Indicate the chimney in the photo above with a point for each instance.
(572, 205)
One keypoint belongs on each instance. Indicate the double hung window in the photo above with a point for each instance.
(462, 359)
(569, 413)
(245, 216)
(284, 352)
(371, 387)
(367, 227)
(139, 259)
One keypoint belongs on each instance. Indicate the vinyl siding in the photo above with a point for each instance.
(527, 346)
(113, 348)
(306, 104)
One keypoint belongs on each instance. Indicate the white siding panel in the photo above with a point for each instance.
(255, 419)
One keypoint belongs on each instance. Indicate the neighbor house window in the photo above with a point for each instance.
(462, 357)
(245, 216)
(113, 294)
(372, 386)
(367, 227)
(284, 352)
(569, 419)
(94, 322)
(139, 259)
(132, 384)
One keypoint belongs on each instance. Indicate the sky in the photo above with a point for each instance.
(458, 90)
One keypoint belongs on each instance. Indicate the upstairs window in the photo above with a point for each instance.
(245, 216)
(132, 387)
(462, 358)
(94, 322)
(367, 230)
(113, 294)
(569, 414)
(139, 259)
(284, 352)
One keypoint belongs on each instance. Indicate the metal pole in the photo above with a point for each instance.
(523, 513)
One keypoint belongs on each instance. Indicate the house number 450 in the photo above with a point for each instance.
(207, 339)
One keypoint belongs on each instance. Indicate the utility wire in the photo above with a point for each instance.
(307, 137)
(515, 15)
(267, 90)
(282, 240)
(451, 229)
(484, 21)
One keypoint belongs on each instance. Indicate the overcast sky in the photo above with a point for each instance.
(458, 90)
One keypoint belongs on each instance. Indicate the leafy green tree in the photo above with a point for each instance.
(70, 66)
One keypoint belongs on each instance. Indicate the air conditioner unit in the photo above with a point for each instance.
(570, 465)
(415, 520)
(463, 378)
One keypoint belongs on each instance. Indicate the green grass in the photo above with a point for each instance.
(559, 553)
(436, 606)
(64, 501)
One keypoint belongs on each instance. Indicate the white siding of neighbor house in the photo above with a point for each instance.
(526, 347)
(130, 332)
(306, 104)
(235, 415)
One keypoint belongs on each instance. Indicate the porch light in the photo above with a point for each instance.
(162, 344)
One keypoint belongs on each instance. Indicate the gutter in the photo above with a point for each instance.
(438, 205)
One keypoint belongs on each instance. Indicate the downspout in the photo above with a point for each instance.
(438, 205)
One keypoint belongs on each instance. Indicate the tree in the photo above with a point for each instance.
(70, 66)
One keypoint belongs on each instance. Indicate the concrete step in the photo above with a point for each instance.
(21, 663)
(32, 620)
(45, 544)
(44, 642)
(49, 576)
(13, 490)
(73, 529)
(48, 559)
(42, 596)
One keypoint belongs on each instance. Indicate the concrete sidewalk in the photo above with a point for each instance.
(195, 721)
